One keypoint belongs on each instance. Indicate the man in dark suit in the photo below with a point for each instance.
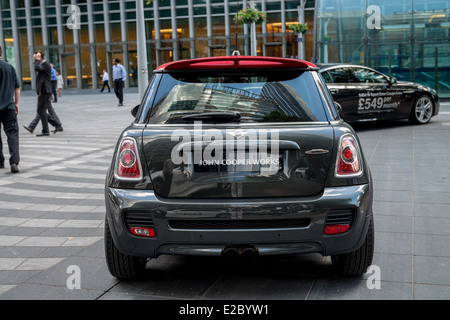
(44, 92)
(9, 109)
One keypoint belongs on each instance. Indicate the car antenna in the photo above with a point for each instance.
(236, 51)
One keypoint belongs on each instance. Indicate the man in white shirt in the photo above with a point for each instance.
(105, 81)
(119, 76)
(59, 84)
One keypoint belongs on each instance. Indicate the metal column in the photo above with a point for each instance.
(157, 31)
(76, 43)
(283, 29)
(124, 33)
(142, 49)
(209, 27)
(44, 30)
(264, 28)
(15, 31)
(61, 47)
(227, 27)
(30, 38)
(92, 45)
(301, 39)
(253, 44)
(107, 37)
(175, 49)
(245, 41)
(191, 27)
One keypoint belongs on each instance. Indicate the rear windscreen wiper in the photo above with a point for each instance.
(215, 117)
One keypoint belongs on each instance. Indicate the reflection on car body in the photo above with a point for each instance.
(366, 94)
(238, 156)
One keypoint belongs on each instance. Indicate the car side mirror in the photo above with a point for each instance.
(338, 108)
(392, 80)
(135, 110)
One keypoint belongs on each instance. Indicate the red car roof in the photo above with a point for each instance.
(235, 62)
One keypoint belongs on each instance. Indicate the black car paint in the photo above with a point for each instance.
(353, 97)
(286, 200)
(308, 239)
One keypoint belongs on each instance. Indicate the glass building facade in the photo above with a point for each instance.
(176, 29)
(408, 39)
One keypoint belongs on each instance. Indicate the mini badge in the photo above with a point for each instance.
(317, 151)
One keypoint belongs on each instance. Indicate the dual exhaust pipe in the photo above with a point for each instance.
(235, 253)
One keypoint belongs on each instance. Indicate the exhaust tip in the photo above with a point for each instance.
(231, 254)
(250, 254)
(237, 253)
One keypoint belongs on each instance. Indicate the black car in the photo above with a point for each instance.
(366, 94)
(238, 157)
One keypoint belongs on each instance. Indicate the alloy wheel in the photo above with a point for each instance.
(423, 109)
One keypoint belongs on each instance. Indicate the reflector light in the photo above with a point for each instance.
(143, 232)
(128, 166)
(348, 160)
(348, 154)
(127, 158)
(336, 229)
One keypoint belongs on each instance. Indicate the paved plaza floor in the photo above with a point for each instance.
(52, 218)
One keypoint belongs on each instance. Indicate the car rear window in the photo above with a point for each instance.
(264, 96)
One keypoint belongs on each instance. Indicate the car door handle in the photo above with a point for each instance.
(334, 91)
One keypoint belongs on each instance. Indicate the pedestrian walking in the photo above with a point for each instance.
(105, 80)
(9, 110)
(119, 76)
(59, 84)
(54, 81)
(44, 92)
(52, 118)
(2, 157)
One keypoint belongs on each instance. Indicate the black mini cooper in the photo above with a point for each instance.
(238, 156)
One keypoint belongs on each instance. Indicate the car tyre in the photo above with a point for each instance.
(120, 265)
(355, 263)
(422, 110)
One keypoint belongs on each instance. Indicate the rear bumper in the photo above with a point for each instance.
(212, 241)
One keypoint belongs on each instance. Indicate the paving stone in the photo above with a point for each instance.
(431, 270)
(28, 291)
(52, 217)
(10, 263)
(38, 263)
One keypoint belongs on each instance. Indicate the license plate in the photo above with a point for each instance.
(242, 162)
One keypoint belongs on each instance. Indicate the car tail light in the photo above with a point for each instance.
(128, 166)
(348, 160)
(336, 229)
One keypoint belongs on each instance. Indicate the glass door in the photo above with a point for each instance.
(432, 45)
(390, 38)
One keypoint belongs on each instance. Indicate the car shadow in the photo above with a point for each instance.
(266, 277)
